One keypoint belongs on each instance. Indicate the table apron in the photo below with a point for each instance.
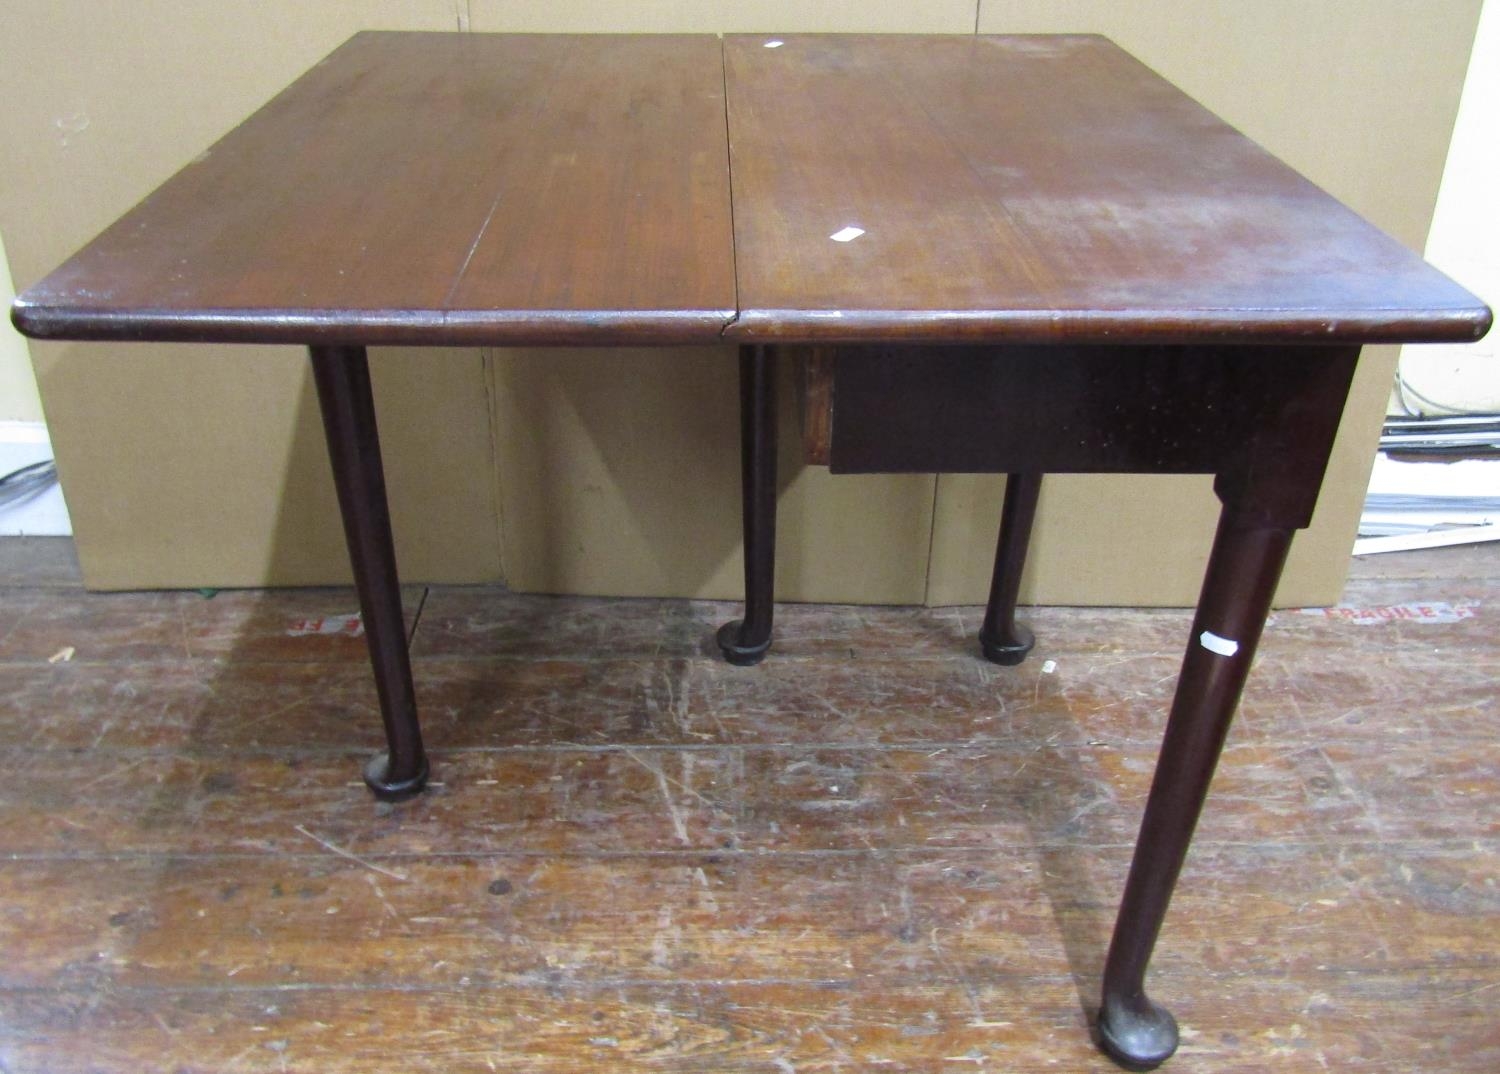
(1074, 409)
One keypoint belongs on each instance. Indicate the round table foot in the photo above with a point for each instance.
(1138, 1039)
(737, 654)
(1009, 653)
(393, 791)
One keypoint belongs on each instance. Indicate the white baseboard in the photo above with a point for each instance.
(44, 514)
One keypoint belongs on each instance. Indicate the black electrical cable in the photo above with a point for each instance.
(1452, 436)
(27, 481)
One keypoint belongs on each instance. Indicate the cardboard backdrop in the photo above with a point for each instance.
(567, 472)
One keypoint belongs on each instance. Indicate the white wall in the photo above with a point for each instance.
(23, 436)
(1465, 239)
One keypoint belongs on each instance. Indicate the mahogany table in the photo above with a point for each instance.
(1009, 254)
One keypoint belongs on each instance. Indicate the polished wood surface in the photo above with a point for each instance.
(638, 858)
(1037, 188)
(745, 641)
(342, 376)
(436, 188)
(1072, 408)
(491, 189)
(1001, 639)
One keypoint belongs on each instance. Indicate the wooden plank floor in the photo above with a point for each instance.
(873, 852)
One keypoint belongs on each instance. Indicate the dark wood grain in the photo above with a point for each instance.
(342, 376)
(729, 918)
(1001, 639)
(1037, 188)
(556, 904)
(436, 188)
(1066, 408)
(487, 189)
(1387, 1022)
(745, 641)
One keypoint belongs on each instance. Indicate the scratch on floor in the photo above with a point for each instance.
(380, 894)
(679, 826)
(341, 852)
(273, 714)
(710, 903)
(1475, 991)
(111, 774)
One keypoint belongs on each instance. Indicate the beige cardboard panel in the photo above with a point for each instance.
(1319, 562)
(191, 465)
(434, 419)
(1098, 539)
(104, 101)
(18, 395)
(724, 16)
(207, 466)
(1358, 95)
(858, 538)
(619, 475)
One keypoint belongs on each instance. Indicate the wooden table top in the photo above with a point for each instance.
(486, 189)
(1035, 188)
(436, 188)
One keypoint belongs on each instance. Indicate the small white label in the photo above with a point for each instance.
(1215, 644)
(774, 44)
(1049, 666)
(848, 234)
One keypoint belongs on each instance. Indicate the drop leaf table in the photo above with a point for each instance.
(1019, 255)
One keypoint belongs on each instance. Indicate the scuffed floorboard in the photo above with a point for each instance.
(873, 852)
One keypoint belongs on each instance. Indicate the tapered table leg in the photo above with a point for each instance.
(745, 641)
(342, 375)
(1242, 572)
(1002, 639)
